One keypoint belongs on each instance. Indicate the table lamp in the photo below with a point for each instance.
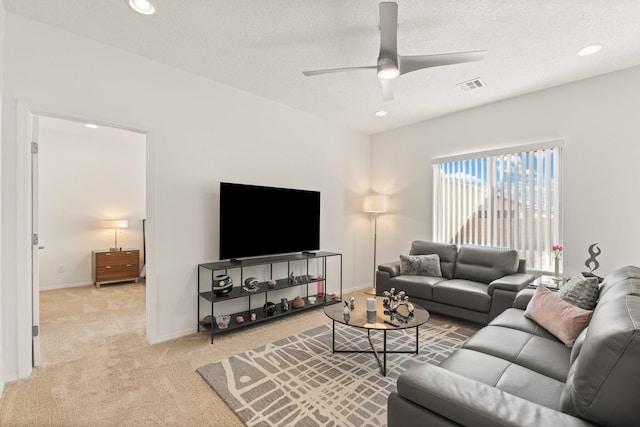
(116, 224)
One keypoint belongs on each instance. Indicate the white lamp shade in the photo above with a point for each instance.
(116, 223)
(376, 203)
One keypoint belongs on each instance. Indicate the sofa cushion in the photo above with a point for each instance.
(624, 281)
(447, 253)
(581, 291)
(485, 264)
(506, 376)
(545, 356)
(565, 321)
(420, 287)
(513, 318)
(421, 265)
(463, 293)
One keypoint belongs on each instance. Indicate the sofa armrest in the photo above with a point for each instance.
(522, 298)
(393, 268)
(472, 403)
(513, 282)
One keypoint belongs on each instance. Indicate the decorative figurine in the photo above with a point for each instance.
(393, 301)
(239, 319)
(284, 304)
(292, 279)
(297, 302)
(346, 310)
(271, 283)
(593, 261)
(352, 302)
(251, 284)
(253, 316)
(269, 309)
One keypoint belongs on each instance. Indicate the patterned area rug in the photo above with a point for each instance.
(297, 381)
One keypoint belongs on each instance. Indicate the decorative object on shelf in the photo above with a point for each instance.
(116, 224)
(334, 297)
(222, 284)
(319, 285)
(269, 309)
(251, 284)
(271, 283)
(394, 301)
(557, 254)
(297, 302)
(352, 303)
(346, 310)
(208, 319)
(371, 310)
(292, 279)
(375, 204)
(223, 321)
(312, 300)
(253, 316)
(239, 319)
(284, 304)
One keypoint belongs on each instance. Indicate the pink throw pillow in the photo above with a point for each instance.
(565, 321)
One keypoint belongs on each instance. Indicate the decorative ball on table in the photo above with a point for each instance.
(251, 284)
(297, 302)
(269, 309)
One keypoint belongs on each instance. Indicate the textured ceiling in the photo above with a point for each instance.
(262, 47)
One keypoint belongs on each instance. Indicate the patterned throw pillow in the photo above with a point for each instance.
(581, 291)
(420, 265)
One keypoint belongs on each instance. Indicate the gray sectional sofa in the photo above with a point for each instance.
(477, 284)
(515, 373)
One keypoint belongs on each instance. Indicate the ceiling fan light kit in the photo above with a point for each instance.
(391, 65)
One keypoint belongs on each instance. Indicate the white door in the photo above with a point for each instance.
(36, 246)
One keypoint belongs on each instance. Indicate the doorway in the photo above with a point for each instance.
(85, 177)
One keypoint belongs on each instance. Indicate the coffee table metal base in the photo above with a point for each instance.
(382, 364)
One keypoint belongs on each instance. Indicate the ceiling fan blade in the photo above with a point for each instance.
(387, 90)
(408, 64)
(337, 70)
(389, 31)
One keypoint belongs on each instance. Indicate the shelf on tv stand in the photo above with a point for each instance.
(263, 290)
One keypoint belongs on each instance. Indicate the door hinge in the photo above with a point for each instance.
(34, 239)
(35, 331)
(34, 148)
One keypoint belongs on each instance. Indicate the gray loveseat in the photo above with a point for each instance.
(477, 282)
(515, 373)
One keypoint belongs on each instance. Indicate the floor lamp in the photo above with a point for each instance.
(375, 204)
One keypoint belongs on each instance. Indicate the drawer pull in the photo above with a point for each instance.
(128, 265)
(108, 266)
(129, 253)
(107, 254)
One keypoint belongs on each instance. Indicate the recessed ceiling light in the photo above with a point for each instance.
(589, 50)
(141, 6)
(91, 126)
(381, 113)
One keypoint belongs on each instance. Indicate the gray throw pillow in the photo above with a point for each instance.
(421, 265)
(580, 291)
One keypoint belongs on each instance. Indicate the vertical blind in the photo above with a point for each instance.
(506, 199)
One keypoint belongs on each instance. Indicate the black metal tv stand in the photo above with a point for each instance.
(239, 270)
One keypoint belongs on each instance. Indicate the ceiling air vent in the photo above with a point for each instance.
(472, 84)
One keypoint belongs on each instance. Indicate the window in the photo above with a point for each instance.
(507, 198)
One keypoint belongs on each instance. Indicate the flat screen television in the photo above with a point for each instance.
(257, 220)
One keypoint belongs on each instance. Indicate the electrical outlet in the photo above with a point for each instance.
(61, 269)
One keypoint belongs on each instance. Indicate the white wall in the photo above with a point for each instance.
(598, 120)
(2, 32)
(86, 176)
(201, 133)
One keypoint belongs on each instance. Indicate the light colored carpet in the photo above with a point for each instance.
(97, 369)
(297, 381)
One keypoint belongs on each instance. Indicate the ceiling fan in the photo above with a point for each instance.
(390, 64)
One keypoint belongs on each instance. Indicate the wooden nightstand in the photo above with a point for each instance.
(112, 267)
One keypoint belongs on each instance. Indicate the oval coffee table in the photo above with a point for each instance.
(357, 318)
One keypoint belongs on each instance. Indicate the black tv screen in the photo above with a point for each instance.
(257, 220)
